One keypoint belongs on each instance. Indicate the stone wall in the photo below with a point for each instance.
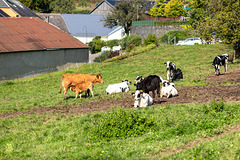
(158, 30)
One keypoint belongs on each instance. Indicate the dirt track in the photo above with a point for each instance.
(196, 94)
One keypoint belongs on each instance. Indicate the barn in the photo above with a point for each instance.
(30, 45)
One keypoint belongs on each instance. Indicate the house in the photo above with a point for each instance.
(85, 27)
(14, 8)
(104, 7)
(30, 45)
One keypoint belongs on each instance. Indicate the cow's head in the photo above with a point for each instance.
(165, 83)
(128, 82)
(99, 78)
(170, 65)
(137, 98)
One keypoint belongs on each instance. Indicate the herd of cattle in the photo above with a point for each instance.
(80, 83)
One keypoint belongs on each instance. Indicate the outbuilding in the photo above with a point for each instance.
(30, 45)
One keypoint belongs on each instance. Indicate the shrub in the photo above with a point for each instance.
(122, 123)
(214, 107)
(102, 57)
(114, 42)
(151, 39)
(96, 44)
(132, 39)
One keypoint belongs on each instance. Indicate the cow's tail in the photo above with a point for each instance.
(60, 91)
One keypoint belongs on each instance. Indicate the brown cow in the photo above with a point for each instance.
(81, 87)
(74, 79)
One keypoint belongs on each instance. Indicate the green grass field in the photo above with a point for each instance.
(157, 132)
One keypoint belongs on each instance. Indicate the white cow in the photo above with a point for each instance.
(143, 100)
(168, 90)
(118, 87)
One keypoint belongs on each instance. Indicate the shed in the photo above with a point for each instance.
(30, 45)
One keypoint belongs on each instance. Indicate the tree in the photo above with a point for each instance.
(126, 11)
(175, 8)
(62, 6)
(197, 12)
(158, 9)
(222, 18)
(38, 5)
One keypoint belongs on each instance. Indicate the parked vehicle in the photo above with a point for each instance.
(190, 41)
(105, 48)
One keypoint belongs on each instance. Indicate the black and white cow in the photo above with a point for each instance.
(118, 87)
(168, 89)
(221, 60)
(170, 69)
(142, 100)
(150, 83)
(177, 74)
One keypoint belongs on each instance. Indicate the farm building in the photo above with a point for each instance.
(30, 45)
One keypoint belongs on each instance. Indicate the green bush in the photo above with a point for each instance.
(102, 57)
(122, 123)
(81, 11)
(132, 39)
(151, 39)
(214, 107)
(114, 42)
(96, 44)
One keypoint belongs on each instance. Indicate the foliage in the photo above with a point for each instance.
(158, 9)
(132, 53)
(96, 44)
(222, 19)
(62, 6)
(38, 5)
(175, 9)
(132, 39)
(122, 124)
(126, 11)
(102, 57)
(151, 39)
(83, 3)
(113, 42)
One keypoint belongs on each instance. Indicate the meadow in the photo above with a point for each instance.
(182, 131)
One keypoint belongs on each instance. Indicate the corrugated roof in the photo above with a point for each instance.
(32, 33)
(82, 24)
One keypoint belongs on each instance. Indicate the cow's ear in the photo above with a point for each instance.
(165, 63)
(98, 76)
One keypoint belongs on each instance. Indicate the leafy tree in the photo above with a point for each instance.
(158, 9)
(175, 8)
(222, 18)
(96, 44)
(38, 5)
(126, 11)
(62, 6)
(197, 12)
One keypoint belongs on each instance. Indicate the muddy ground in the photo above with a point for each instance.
(225, 86)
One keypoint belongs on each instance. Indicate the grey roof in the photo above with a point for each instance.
(86, 24)
(55, 19)
(18, 7)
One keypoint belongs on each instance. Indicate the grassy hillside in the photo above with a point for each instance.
(188, 131)
(42, 91)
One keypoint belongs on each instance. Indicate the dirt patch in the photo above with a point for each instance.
(225, 86)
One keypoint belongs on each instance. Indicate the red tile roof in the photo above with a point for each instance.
(32, 33)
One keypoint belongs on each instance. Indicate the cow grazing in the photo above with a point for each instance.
(170, 69)
(142, 100)
(150, 83)
(221, 60)
(118, 87)
(82, 87)
(168, 89)
(73, 79)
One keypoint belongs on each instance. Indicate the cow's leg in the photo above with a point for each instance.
(225, 67)
(153, 92)
(76, 95)
(65, 92)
